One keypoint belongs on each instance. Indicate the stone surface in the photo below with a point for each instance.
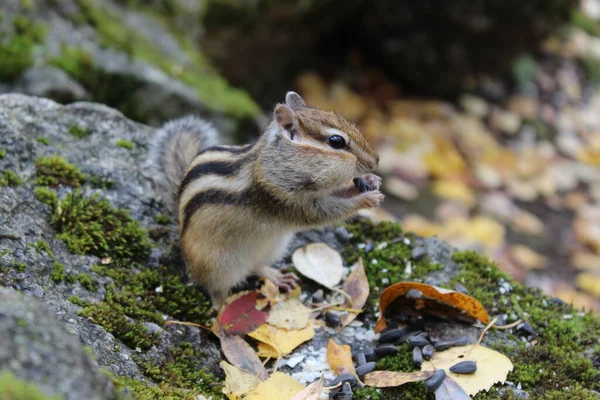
(35, 346)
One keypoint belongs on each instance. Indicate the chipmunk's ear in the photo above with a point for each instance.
(294, 101)
(286, 119)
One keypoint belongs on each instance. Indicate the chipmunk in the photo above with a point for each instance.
(239, 206)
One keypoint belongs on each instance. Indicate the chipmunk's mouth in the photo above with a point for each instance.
(358, 186)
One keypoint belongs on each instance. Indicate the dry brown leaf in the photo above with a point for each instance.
(450, 390)
(468, 304)
(311, 392)
(290, 314)
(392, 378)
(320, 263)
(339, 358)
(237, 382)
(357, 287)
(492, 367)
(279, 386)
(239, 353)
(277, 342)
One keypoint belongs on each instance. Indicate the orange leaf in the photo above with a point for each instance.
(461, 301)
(357, 286)
(340, 358)
(393, 378)
(239, 353)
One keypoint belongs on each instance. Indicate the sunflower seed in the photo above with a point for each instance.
(432, 384)
(393, 334)
(428, 352)
(365, 368)
(417, 341)
(417, 356)
(464, 367)
(386, 350)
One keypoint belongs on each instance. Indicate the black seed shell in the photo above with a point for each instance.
(432, 384)
(464, 367)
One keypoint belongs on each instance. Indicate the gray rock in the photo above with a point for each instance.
(36, 347)
(52, 83)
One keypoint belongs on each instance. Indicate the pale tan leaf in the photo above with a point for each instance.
(492, 367)
(290, 314)
(311, 392)
(357, 287)
(393, 378)
(320, 263)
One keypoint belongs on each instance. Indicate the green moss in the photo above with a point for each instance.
(27, 5)
(54, 170)
(58, 272)
(12, 388)
(87, 282)
(78, 131)
(43, 140)
(112, 318)
(47, 196)
(17, 266)
(42, 246)
(16, 51)
(78, 301)
(197, 73)
(162, 219)
(10, 178)
(386, 262)
(183, 372)
(4, 252)
(2, 154)
(90, 225)
(126, 144)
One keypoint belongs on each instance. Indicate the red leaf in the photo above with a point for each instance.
(241, 316)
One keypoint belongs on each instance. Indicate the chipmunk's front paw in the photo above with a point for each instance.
(371, 199)
(367, 183)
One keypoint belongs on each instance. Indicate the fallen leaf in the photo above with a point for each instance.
(290, 314)
(357, 287)
(239, 353)
(240, 315)
(453, 189)
(400, 189)
(105, 260)
(393, 378)
(311, 392)
(277, 342)
(378, 215)
(279, 386)
(450, 390)
(270, 292)
(586, 261)
(589, 282)
(526, 257)
(237, 382)
(460, 301)
(320, 263)
(492, 367)
(339, 358)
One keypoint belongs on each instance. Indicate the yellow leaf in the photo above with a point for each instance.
(290, 314)
(278, 387)
(393, 378)
(311, 392)
(492, 367)
(444, 160)
(526, 257)
(237, 382)
(320, 263)
(280, 341)
(339, 358)
(454, 190)
(589, 282)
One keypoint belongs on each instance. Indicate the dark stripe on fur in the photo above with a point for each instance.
(231, 149)
(222, 168)
(211, 196)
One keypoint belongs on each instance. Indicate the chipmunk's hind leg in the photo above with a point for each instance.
(284, 281)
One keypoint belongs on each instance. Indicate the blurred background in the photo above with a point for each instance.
(486, 112)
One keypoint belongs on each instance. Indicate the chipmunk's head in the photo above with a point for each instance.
(316, 150)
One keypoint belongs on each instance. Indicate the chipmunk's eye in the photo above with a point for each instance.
(337, 142)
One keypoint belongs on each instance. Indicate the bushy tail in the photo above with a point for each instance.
(172, 149)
